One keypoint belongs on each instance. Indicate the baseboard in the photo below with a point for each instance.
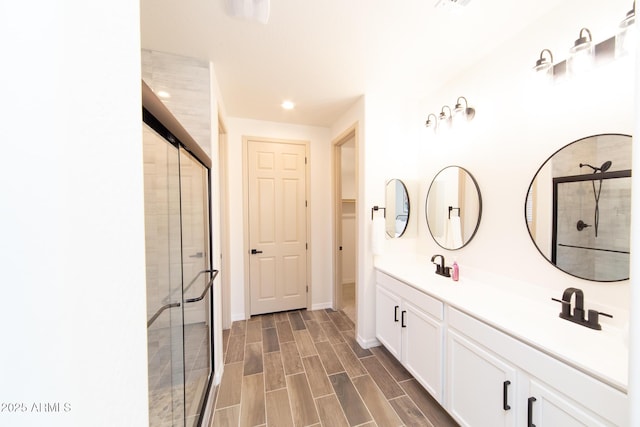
(322, 306)
(237, 316)
(373, 342)
(240, 316)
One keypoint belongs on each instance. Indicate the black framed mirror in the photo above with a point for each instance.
(578, 208)
(453, 207)
(398, 208)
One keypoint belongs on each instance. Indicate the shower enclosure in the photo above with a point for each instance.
(179, 277)
(591, 220)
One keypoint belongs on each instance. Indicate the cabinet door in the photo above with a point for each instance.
(482, 388)
(422, 342)
(388, 320)
(551, 408)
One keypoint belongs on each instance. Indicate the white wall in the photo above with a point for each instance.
(515, 130)
(319, 203)
(72, 254)
(517, 127)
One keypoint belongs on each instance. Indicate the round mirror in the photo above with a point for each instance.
(397, 208)
(453, 207)
(578, 208)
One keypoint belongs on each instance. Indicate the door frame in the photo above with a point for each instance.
(225, 264)
(337, 143)
(245, 214)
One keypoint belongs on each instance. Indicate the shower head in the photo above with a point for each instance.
(605, 166)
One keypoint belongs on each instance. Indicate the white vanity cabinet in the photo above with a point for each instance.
(494, 379)
(409, 324)
(465, 356)
(481, 387)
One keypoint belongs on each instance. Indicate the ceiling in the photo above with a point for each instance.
(324, 54)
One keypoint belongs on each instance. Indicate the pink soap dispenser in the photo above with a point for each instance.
(455, 271)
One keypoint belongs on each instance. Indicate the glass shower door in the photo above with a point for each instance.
(164, 281)
(195, 267)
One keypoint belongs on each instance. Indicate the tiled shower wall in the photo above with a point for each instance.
(187, 80)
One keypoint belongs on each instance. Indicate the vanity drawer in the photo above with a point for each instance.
(419, 299)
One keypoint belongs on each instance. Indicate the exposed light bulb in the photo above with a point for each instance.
(288, 105)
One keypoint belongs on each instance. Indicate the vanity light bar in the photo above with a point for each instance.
(584, 50)
(459, 111)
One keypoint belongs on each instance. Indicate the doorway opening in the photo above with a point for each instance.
(346, 222)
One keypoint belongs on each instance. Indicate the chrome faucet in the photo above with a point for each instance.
(578, 311)
(440, 268)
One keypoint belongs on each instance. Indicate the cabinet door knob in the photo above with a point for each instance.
(505, 386)
(395, 314)
(530, 412)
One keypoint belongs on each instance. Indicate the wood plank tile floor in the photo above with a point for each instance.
(305, 368)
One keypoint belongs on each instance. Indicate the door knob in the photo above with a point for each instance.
(255, 251)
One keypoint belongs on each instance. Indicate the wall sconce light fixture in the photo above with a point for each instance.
(444, 118)
(463, 111)
(582, 54)
(544, 66)
(432, 123)
(585, 54)
(625, 37)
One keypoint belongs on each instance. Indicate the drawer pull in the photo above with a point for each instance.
(404, 325)
(505, 386)
(530, 412)
(395, 315)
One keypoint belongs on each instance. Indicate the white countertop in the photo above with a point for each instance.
(529, 315)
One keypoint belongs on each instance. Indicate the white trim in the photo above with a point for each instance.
(373, 342)
(322, 306)
(237, 317)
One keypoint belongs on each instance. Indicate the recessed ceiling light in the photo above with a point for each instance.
(288, 105)
(163, 94)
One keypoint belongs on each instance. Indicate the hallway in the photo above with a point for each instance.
(304, 368)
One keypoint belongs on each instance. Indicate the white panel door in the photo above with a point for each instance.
(277, 226)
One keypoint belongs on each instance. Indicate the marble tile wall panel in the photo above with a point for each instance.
(187, 80)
